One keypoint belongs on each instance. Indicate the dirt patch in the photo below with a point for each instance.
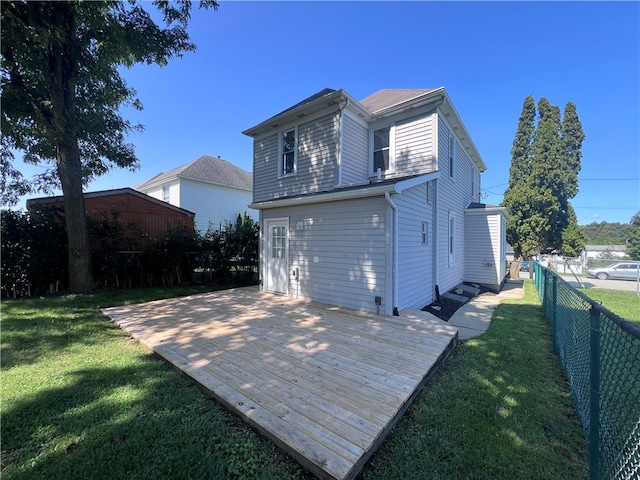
(446, 307)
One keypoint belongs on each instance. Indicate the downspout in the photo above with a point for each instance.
(394, 255)
(436, 232)
(339, 159)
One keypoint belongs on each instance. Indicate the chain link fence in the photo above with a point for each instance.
(600, 353)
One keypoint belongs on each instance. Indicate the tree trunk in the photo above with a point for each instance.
(62, 70)
(70, 172)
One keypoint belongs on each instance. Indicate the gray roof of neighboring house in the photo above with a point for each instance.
(206, 169)
(388, 97)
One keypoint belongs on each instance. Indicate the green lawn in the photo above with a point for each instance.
(81, 400)
(623, 303)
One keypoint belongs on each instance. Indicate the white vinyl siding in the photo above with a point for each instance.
(316, 161)
(415, 258)
(213, 204)
(414, 152)
(454, 195)
(160, 192)
(485, 247)
(354, 151)
(265, 167)
(340, 250)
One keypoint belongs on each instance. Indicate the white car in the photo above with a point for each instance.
(619, 271)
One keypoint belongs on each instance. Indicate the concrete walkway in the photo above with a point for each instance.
(474, 317)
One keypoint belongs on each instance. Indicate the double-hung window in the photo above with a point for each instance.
(288, 151)
(166, 193)
(381, 149)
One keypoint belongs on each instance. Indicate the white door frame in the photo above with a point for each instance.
(276, 268)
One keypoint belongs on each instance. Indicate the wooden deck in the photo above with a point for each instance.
(325, 384)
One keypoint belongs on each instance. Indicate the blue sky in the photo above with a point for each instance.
(255, 59)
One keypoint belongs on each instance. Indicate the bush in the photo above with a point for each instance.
(34, 253)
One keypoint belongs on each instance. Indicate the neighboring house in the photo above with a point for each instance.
(372, 204)
(605, 251)
(215, 189)
(151, 216)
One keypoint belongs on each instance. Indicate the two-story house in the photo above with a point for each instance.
(214, 189)
(371, 204)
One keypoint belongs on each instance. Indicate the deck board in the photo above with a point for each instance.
(325, 384)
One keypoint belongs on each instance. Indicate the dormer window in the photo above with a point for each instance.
(288, 151)
(382, 150)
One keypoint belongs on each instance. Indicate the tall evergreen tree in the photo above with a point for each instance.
(633, 240)
(61, 92)
(543, 177)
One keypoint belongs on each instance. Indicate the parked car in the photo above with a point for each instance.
(524, 266)
(619, 271)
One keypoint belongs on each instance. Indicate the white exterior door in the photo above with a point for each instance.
(277, 255)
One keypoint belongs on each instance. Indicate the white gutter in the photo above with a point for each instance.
(325, 197)
(347, 194)
(394, 254)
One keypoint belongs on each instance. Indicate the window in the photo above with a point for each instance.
(425, 233)
(452, 156)
(452, 240)
(278, 241)
(288, 148)
(166, 193)
(381, 144)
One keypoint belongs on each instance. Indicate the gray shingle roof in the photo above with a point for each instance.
(389, 97)
(208, 169)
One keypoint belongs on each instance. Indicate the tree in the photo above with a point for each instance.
(542, 178)
(633, 241)
(61, 91)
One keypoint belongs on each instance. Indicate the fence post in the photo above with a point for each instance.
(554, 312)
(594, 394)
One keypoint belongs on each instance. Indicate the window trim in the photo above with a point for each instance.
(166, 193)
(452, 155)
(392, 141)
(281, 134)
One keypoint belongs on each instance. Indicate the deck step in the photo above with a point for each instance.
(468, 289)
(457, 298)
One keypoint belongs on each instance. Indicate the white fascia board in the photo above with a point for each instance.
(453, 118)
(326, 197)
(487, 211)
(414, 182)
(370, 191)
(296, 114)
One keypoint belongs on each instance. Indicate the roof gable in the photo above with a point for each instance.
(207, 169)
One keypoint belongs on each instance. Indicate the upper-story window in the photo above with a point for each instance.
(288, 151)
(382, 150)
(452, 156)
(166, 193)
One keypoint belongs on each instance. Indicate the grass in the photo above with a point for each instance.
(499, 408)
(81, 400)
(623, 303)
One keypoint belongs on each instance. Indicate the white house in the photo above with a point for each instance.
(371, 204)
(214, 189)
